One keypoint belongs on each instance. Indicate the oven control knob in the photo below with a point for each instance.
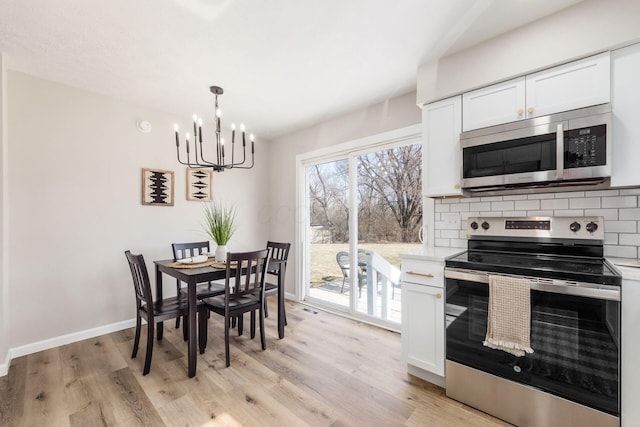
(474, 225)
(591, 227)
(485, 225)
(574, 226)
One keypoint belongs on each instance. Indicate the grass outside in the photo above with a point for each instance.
(324, 267)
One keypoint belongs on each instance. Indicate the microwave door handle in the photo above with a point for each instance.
(560, 151)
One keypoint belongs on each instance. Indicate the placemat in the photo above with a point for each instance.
(208, 263)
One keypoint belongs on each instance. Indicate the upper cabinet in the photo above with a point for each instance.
(566, 87)
(625, 87)
(500, 103)
(441, 127)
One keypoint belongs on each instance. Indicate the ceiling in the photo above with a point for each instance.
(284, 64)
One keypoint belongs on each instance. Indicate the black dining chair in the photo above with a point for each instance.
(244, 292)
(277, 267)
(153, 311)
(203, 290)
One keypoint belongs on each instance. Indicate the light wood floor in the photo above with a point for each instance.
(327, 371)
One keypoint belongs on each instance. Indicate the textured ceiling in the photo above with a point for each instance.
(284, 64)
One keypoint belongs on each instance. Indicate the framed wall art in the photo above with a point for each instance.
(157, 187)
(199, 184)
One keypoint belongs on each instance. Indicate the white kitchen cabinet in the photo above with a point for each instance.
(500, 103)
(441, 127)
(574, 85)
(625, 87)
(423, 329)
(566, 87)
(630, 371)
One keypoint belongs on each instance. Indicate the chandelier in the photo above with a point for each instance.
(221, 161)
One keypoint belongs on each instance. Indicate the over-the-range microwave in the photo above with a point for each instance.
(571, 149)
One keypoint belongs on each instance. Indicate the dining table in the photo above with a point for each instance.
(192, 275)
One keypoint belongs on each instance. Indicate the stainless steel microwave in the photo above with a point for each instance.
(569, 149)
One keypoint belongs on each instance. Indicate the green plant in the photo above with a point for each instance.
(219, 221)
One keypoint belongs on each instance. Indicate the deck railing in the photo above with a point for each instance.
(378, 271)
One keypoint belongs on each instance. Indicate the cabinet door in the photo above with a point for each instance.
(570, 86)
(630, 370)
(625, 86)
(441, 126)
(423, 327)
(493, 105)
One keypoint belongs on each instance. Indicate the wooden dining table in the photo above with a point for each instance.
(192, 276)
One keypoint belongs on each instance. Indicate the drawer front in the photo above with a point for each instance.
(429, 273)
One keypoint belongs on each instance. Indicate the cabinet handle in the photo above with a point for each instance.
(530, 110)
(457, 186)
(420, 274)
(438, 296)
(520, 111)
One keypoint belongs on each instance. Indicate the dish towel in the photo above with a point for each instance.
(509, 318)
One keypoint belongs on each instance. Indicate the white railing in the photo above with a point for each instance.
(378, 270)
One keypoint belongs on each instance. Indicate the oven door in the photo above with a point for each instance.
(575, 335)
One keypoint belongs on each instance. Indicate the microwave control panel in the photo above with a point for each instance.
(585, 147)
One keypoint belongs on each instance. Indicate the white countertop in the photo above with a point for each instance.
(432, 254)
(628, 267)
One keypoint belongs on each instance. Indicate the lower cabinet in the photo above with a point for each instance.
(423, 317)
(630, 371)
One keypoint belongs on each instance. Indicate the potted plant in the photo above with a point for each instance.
(220, 225)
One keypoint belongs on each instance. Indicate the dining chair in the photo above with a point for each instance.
(203, 290)
(277, 267)
(243, 292)
(153, 311)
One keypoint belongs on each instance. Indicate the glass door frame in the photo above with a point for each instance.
(350, 150)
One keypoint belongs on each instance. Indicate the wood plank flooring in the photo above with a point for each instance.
(327, 371)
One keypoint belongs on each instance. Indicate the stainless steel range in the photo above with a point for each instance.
(572, 378)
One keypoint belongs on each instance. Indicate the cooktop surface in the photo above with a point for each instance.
(590, 270)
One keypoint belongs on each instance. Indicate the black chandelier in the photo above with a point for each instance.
(220, 164)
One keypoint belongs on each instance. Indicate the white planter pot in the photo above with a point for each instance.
(221, 253)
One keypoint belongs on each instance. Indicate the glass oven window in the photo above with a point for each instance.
(575, 342)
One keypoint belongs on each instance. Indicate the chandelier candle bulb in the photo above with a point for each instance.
(219, 165)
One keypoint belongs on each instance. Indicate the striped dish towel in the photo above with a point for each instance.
(509, 318)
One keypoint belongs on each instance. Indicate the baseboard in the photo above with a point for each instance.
(62, 340)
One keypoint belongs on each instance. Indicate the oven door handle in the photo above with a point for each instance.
(589, 290)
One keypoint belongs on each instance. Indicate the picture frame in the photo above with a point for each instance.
(199, 184)
(157, 187)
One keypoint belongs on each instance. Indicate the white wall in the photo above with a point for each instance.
(4, 301)
(588, 27)
(392, 114)
(74, 180)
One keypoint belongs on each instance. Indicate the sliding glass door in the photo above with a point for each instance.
(363, 209)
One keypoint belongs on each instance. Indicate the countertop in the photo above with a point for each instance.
(628, 267)
(432, 254)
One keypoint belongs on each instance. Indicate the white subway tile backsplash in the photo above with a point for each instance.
(554, 204)
(620, 202)
(540, 196)
(629, 214)
(569, 212)
(585, 203)
(527, 205)
(502, 206)
(620, 209)
(571, 195)
(480, 206)
(607, 214)
(629, 239)
(621, 251)
(621, 226)
(601, 193)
